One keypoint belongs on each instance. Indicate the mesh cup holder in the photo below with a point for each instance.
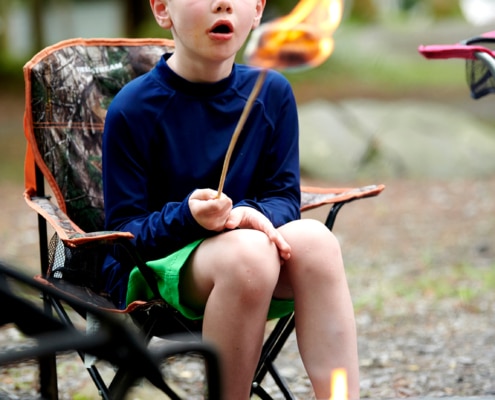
(78, 266)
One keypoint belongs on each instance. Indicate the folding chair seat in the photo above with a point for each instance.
(68, 88)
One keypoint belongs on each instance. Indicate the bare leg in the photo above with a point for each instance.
(324, 314)
(232, 276)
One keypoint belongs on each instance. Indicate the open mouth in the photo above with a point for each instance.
(222, 28)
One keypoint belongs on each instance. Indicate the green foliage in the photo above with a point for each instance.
(381, 71)
(444, 8)
(363, 11)
(277, 8)
(12, 149)
(79, 396)
(10, 72)
(150, 28)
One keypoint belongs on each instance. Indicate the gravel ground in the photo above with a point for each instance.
(420, 260)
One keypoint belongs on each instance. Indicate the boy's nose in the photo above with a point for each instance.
(222, 6)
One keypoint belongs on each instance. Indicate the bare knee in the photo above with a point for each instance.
(309, 235)
(253, 266)
(315, 249)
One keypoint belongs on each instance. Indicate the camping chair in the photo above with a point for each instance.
(68, 88)
(113, 341)
(479, 53)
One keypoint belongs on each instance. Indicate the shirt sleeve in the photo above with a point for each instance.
(279, 195)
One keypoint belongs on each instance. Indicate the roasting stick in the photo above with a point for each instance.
(238, 128)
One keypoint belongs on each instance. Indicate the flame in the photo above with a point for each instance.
(301, 39)
(339, 385)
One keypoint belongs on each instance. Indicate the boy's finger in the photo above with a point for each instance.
(282, 245)
(233, 221)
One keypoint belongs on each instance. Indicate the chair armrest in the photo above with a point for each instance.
(73, 236)
(66, 229)
(313, 197)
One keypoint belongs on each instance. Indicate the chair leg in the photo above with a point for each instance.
(271, 349)
(47, 365)
(48, 377)
(332, 214)
(260, 392)
(48, 368)
(279, 381)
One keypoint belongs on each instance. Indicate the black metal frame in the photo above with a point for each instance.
(113, 341)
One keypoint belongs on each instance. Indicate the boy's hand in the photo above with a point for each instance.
(208, 210)
(249, 218)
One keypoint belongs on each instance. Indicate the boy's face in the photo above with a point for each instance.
(214, 29)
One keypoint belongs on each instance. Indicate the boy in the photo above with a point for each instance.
(241, 257)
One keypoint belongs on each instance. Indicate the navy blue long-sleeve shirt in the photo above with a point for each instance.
(165, 137)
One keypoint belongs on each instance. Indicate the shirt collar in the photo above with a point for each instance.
(198, 89)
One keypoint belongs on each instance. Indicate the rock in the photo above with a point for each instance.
(361, 138)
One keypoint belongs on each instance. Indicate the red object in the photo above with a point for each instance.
(466, 49)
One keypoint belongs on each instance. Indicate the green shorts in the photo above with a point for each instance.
(168, 273)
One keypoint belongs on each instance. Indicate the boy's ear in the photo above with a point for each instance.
(260, 6)
(160, 11)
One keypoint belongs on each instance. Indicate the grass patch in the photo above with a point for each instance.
(463, 282)
(465, 285)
